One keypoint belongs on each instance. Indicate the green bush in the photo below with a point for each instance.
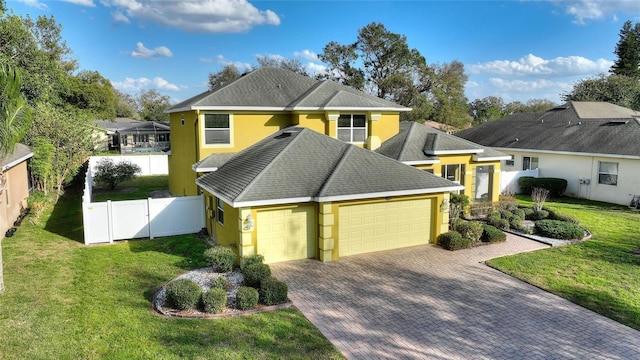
(556, 186)
(452, 240)
(220, 282)
(471, 230)
(458, 204)
(214, 300)
(252, 259)
(537, 215)
(555, 215)
(110, 174)
(273, 291)
(246, 298)
(556, 229)
(255, 273)
(491, 234)
(221, 258)
(183, 294)
(498, 222)
(519, 213)
(515, 222)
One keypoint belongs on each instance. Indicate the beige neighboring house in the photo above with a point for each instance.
(15, 187)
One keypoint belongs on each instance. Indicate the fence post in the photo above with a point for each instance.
(149, 218)
(110, 221)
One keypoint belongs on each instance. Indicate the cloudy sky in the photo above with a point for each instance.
(517, 50)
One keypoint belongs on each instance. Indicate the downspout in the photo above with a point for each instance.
(197, 133)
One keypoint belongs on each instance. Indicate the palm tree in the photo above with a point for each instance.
(14, 123)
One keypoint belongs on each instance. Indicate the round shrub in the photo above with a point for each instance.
(220, 282)
(506, 214)
(515, 222)
(452, 240)
(252, 259)
(273, 291)
(559, 229)
(221, 258)
(183, 294)
(537, 215)
(491, 234)
(214, 300)
(471, 230)
(246, 298)
(255, 273)
(519, 213)
(498, 222)
(555, 215)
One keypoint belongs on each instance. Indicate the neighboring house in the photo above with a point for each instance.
(14, 190)
(131, 136)
(286, 167)
(475, 166)
(595, 146)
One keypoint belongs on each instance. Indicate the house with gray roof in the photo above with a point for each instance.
(15, 185)
(595, 146)
(129, 136)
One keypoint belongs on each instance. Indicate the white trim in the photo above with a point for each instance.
(204, 169)
(286, 108)
(421, 162)
(17, 161)
(456, 152)
(553, 152)
(495, 158)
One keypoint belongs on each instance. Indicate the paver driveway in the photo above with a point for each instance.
(426, 302)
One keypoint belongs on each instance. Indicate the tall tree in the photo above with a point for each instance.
(341, 60)
(617, 89)
(91, 92)
(487, 109)
(291, 64)
(126, 105)
(152, 105)
(221, 78)
(628, 51)
(449, 102)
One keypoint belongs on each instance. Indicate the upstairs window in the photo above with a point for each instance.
(607, 173)
(529, 163)
(352, 128)
(216, 129)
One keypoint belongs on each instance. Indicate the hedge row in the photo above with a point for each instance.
(556, 186)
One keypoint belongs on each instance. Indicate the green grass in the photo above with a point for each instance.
(65, 300)
(135, 189)
(600, 274)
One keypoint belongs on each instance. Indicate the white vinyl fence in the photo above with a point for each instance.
(509, 180)
(150, 164)
(107, 221)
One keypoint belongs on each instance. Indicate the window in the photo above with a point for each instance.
(510, 162)
(162, 137)
(483, 187)
(220, 211)
(123, 140)
(607, 173)
(454, 172)
(529, 163)
(352, 128)
(140, 138)
(216, 129)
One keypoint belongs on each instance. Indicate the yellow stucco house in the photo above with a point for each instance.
(288, 168)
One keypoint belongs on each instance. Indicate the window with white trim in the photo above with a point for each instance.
(217, 129)
(529, 163)
(220, 211)
(510, 162)
(352, 128)
(607, 173)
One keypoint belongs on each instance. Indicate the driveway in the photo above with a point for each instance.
(426, 302)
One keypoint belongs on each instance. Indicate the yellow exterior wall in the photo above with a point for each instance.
(13, 198)
(184, 153)
(314, 121)
(385, 127)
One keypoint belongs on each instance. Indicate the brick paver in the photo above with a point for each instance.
(426, 302)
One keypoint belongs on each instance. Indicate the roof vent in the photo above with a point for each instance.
(618, 122)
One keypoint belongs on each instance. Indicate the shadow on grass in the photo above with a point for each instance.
(66, 216)
(188, 247)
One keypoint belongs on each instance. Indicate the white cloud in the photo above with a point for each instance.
(142, 52)
(88, 3)
(306, 54)
(314, 68)
(241, 66)
(531, 65)
(133, 85)
(35, 4)
(119, 17)
(583, 10)
(211, 16)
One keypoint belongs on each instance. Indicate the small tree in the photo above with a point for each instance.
(110, 174)
(539, 196)
(458, 203)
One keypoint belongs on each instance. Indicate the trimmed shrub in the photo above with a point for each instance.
(183, 294)
(506, 214)
(515, 222)
(452, 240)
(214, 300)
(525, 183)
(255, 273)
(220, 282)
(458, 204)
(498, 222)
(246, 298)
(556, 186)
(491, 234)
(273, 291)
(252, 259)
(471, 230)
(559, 229)
(221, 258)
(538, 215)
(555, 215)
(519, 213)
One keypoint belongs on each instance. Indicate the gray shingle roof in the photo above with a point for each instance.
(20, 152)
(145, 127)
(416, 143)
(279, 89)
(300, 165)
(212, 162)
(562, 130)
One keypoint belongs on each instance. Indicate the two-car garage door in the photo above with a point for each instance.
(383, 226)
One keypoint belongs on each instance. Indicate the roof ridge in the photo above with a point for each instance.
(334, 172)
(306, 94)
(405, 143)
(275, 158)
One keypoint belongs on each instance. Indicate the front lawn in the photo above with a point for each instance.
(135, 189)
(65, 300)
(600, 274)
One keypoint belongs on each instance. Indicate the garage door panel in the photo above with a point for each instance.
(286, 234)
(383, 226)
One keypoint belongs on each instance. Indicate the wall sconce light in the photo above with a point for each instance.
(248, 224)
(444, 207)
(182, 119)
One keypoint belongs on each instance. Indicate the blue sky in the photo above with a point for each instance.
(516, 50)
